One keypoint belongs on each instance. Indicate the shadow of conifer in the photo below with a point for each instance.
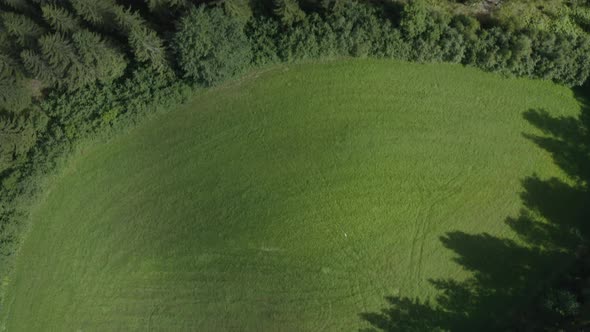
(511, 276)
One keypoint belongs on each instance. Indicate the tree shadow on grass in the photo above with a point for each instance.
(510, 277)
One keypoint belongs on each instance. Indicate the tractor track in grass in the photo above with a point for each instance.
(422, 230)
(269, 206)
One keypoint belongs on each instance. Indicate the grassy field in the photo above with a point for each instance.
(293, 199)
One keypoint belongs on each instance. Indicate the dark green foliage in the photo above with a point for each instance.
(211, 46)
(87, 110)
(493, 50)
(263, 34)
(166, 5)
(357, 29)
(415, 19)
(21, 6)
(239, 9)
(288, 11)
(74, 62)
(563, 58)
(424, 35)
(330, 6)
(23, 29)
(101, 61)
(60, 54)
(14, 93)
(127, 19)
(60, 19)
(431, 35)
(561, 303)
(19, 134)
(391, 44)
(311, 39)
(99, 13)
(147, 47)
(38, 68)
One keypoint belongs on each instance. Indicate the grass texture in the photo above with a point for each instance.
(295, 198)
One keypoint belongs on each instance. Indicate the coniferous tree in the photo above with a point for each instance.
(166, 5)
(76, 61)
(18, 136)
(58, 65)
(7, 46)
(239, 9)
(147, 47)
(22, 6)
(23, 29)
(38, 68)
(60, 19)
(99, 13)
(288, 11)
(127, 19)
(58, 51)
(101, 61)
(331, 6)
(14, 93)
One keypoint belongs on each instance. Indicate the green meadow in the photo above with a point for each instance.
(295, 198)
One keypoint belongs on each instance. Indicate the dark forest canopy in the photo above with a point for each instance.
(70, 69)
(66, 45)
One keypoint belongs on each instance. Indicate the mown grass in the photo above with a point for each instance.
(292, 199)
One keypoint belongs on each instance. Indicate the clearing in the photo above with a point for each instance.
(295, 198)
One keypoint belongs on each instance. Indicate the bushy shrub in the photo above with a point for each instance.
(313, 38)
(563, 58)
(33, 143)
(263, 34)
(211, 46)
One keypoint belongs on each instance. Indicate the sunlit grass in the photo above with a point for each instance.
(292, 199)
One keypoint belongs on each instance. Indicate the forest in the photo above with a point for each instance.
(77, 70)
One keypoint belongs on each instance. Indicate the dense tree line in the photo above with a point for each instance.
(64, 45)
(72, 69)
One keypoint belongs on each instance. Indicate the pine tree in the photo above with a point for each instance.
(288, 11)
(38, 68)
(77, 76)
(14, 93)
(72, 63)
(6, 44)
(17, 136)
(166, 5)
(101, 61)
(56, 64)
(239, 9)
(21, 6)
(23, 29)
(148, 47)
(127, 19)
(99, 13)
(60, 19)
(58, 51)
